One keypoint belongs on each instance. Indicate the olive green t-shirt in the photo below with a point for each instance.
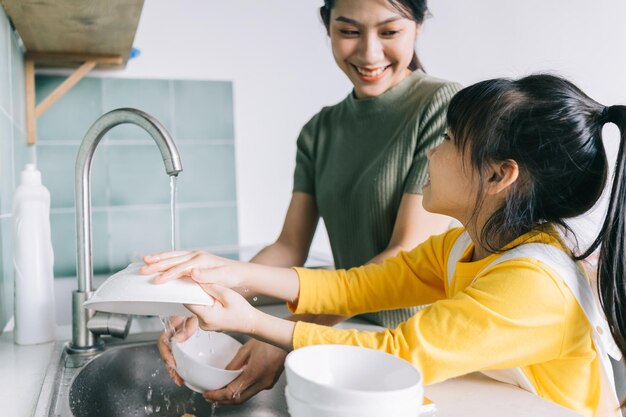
(358, 157)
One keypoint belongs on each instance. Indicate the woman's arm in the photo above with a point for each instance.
(413, 226)
(292, 246)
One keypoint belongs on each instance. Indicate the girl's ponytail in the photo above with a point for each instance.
(612, 262)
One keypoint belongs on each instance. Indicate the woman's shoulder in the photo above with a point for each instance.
(433, 89)
(436, 82)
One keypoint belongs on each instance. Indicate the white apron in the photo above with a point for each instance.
(568, 270)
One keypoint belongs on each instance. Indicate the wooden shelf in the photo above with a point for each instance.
(54, 29)
(80, 34)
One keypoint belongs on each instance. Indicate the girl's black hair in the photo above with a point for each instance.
(416, 10)
(554, 132)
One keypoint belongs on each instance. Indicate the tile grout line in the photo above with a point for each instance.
(139, 207)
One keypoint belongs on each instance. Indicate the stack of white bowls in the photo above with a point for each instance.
(350, 381)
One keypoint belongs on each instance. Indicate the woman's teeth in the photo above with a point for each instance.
(371, 72)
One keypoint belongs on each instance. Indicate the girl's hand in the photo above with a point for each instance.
(205, 268)
(201, 266)
(229, 312)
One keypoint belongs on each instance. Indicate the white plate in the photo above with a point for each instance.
(130, 292)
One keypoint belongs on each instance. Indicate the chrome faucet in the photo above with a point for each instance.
(84, 336)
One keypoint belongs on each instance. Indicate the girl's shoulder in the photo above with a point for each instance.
(440, 245)
(537, 258)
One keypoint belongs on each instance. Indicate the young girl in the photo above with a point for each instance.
(506, 297)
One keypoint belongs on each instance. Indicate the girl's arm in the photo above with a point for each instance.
(411, 278)
(205, 268)
(486, 326)
(231, 312)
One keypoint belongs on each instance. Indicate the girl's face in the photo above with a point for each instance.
(372, 43)
(452, 183)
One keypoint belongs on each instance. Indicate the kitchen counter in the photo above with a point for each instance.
(22, 369)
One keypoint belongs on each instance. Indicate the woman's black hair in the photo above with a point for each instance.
(416, 10)
(553, 131)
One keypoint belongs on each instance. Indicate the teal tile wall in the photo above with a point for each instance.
(203, 110)
(137, 232)
(151, 96)
(70, 117)
(209, 162)
(14, 153)
(208, 226)
(5, 63)
(137, 175)
(63, 230)
(130, 189)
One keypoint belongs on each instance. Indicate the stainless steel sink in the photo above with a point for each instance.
(127, 379)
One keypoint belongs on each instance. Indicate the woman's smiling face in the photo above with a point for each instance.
(373, 44)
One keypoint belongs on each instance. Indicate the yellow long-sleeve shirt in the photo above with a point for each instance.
(518, 313)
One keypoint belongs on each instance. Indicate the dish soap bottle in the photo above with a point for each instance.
(35, 320)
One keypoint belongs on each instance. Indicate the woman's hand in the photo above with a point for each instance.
(262, 365)
(180, 329)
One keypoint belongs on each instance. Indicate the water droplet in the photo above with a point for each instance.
(255, 299)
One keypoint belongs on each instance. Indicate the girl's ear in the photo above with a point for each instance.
(501, 176)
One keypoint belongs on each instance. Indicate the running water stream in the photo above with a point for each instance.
(169, 329)
(173, 209)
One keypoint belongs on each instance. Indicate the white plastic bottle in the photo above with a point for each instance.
(33, 260)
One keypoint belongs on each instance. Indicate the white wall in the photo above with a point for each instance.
(278, 57)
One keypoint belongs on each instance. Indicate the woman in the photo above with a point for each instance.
(360, 166)
(506, 295)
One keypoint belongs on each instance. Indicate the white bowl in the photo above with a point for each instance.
(131, 292)
(201, 359)
(298, 408)
(345, 376)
